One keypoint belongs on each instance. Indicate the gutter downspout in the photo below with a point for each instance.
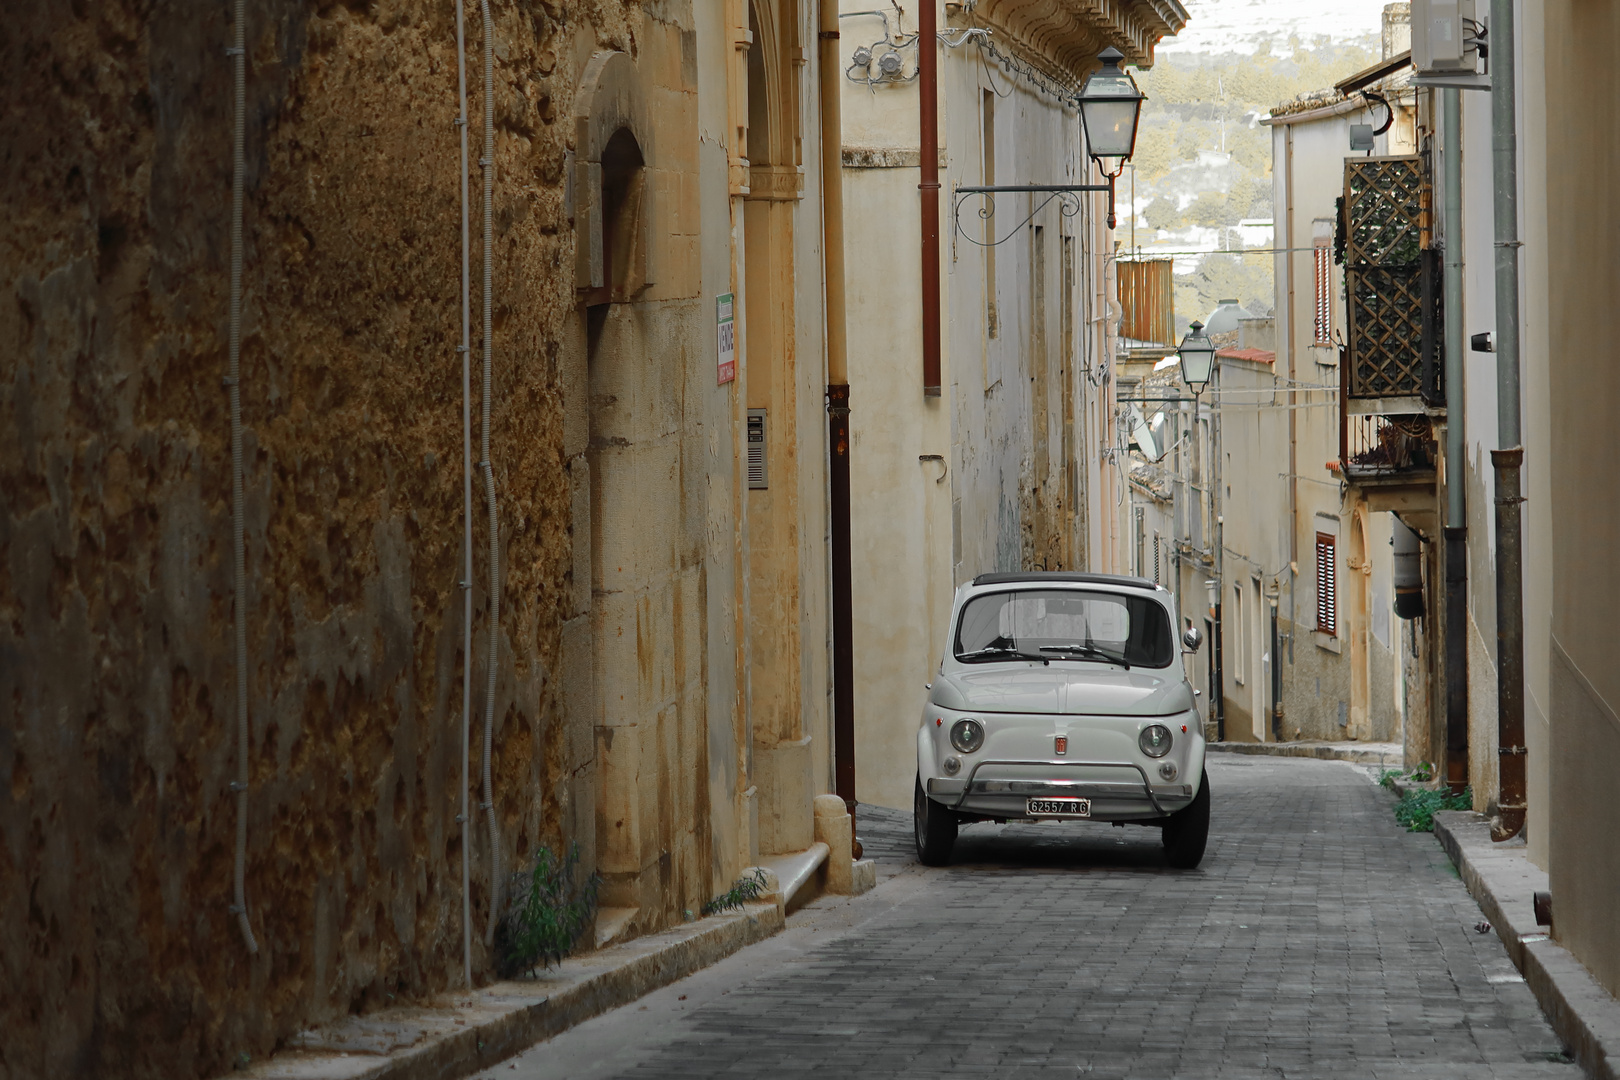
(1508, 460)
(465, 349)
(233, 385)
(832, 226)
(928, 113)
(1456, 528)
(1217, 692)
(1293, 461)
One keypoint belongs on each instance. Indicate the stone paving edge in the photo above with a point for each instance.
(1317, 750)
(1501, 880)
(501, 1020)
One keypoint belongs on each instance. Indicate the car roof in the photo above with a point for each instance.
(1037, 577)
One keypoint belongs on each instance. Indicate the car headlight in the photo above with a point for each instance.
(953, 765)
(1154, 740)
(968, 735)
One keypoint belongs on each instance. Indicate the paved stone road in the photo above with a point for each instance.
(1317, 940)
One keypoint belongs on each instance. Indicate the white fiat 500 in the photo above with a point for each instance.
(1062, 696)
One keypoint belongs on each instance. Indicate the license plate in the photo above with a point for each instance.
(1063, 807)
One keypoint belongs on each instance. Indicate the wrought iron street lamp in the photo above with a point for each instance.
(1110, 106)
(1197, 354)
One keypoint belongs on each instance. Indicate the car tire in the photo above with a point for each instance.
(934, 828)
(1186, 832)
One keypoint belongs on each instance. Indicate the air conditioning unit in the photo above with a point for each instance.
(1445, 37)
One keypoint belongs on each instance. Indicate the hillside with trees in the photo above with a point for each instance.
(1203, 162)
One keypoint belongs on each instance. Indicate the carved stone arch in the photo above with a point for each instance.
(773, 147)
(610, 105)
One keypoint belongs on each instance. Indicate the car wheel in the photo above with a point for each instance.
(1187, 831)
(935, 829)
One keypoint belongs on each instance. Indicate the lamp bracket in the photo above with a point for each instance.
(1068, 196)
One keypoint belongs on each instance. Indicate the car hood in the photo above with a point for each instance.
(1063, 689)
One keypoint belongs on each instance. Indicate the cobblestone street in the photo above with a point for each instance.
(1316, 940)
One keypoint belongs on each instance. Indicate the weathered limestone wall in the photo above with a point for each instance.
(117, 948)
(1583, 119)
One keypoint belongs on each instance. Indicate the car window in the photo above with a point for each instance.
(1065, 624)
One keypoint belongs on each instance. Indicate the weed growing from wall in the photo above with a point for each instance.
(741, 892)
(547, 916)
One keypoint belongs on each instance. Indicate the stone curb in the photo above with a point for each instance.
(474, 1031)
(1502, 881)
(1318, 750)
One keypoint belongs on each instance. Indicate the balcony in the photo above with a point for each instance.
(1390, 387)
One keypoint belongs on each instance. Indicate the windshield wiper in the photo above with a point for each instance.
(1002, 650)
(1090, 650)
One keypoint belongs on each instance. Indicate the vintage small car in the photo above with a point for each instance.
(1062, 697)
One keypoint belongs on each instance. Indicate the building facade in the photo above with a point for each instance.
(482, 614)
(1012, 465)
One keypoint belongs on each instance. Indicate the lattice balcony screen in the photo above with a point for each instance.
(1385, 200)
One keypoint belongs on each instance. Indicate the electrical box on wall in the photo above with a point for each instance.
(1445, 35)
(756, 449)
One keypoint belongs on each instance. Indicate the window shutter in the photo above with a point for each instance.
(1323, 322)
(1327, 585)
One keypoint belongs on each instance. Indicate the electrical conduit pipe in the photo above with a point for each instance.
(488, 164)
(233, 384)
(465, 349)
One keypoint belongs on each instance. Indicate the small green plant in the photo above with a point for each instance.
(1422, 774)
(1416, 809)
(549, 913)
(741, 892)
(1388, 777)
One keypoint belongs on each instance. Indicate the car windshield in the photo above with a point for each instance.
(1065, 624)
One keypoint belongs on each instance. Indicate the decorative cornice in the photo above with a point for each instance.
(1063, 37)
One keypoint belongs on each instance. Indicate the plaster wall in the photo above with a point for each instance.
(1583, 136)
(1482, 426)
(1005, 491)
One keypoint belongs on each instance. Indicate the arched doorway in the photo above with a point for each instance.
(651, 827)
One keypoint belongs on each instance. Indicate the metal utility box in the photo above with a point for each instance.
(1443, 32)
(756, 450)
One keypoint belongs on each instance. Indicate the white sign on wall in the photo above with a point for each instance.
(726, 355)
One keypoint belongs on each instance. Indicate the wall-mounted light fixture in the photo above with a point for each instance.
(1110, 107)
(1197, 355)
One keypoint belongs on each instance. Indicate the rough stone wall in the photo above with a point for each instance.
(117, 948)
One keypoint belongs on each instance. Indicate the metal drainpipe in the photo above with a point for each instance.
(832, 225)
(1508, 460)
(465, 349)
(233, 385)
(928, 112)
(1217, 476)
(488, 164)
(1276, 674)
(1456, 528)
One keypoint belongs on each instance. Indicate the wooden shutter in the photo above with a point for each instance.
(1327, 585)
(1322, 328)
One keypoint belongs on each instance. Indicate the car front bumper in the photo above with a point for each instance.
(1118, 791)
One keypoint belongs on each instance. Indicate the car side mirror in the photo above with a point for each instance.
(1192, 638)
